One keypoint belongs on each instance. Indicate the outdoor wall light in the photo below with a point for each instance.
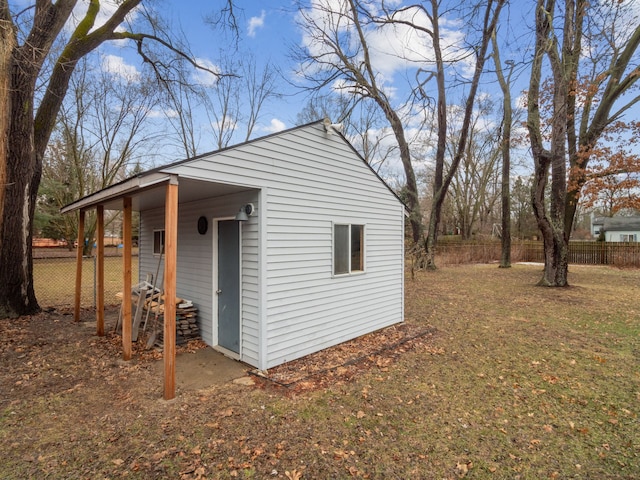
(245, 212)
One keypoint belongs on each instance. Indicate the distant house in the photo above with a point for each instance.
(287, 244)
(617, 229)
(596, 225)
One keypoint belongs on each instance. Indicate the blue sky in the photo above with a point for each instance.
(267, 29)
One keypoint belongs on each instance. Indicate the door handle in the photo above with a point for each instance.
(218, 292)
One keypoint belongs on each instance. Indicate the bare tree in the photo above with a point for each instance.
(28, 118)
(180, 99)
(584, 102)
(259, 86)
(524, 221)
(236, 102)
(224, 103)
(505, 138)
(337, 55)
(474, 183)
(100, 129)
(489, 13)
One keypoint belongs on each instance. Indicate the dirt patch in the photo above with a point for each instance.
(341, 362)
(44, 351)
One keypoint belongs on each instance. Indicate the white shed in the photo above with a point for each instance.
(315, 258)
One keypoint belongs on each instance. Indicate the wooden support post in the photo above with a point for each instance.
(126, 287)
(170, 260)
(78, 295)
(100, 273)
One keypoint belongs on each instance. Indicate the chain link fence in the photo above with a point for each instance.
(54, 270)
(54, 276)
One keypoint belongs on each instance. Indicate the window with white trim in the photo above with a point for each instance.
(348, 248)
(158, 242)
(628, 237)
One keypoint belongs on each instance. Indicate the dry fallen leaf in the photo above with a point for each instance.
(340, 454)
(228, 412)
(293, 475)
(463, 468)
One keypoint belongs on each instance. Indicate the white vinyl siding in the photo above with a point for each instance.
(621, 236)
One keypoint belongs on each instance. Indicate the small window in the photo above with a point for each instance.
(158, 242)
(348, 249)
(625, 237)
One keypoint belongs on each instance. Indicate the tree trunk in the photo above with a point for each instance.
(23, 168)
(7, 43)
(551, 223)
(507, 119)
(415, 216)
(28, 134)
(438, 192)
(441, 184)
(505, 194)
(556, 245)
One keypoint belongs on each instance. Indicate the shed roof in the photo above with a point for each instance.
(615, 224)
(148, 180)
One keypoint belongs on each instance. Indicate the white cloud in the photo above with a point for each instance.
(396, 47)
(521, 101)
(228, 124)
(204, 77)
(274, 126)
(166, 113)
(256, 23)
(117, 67)
(392, 48)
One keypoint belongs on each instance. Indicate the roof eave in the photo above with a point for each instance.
(123, 189)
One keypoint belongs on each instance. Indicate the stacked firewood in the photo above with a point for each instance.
(186, 321)
(186, 324)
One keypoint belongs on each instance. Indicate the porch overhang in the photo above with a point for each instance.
(147, 192)
(157, 188)
(111, 197)
(151, 190)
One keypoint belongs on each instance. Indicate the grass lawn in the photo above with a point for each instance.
(54, 280)
(518, 381)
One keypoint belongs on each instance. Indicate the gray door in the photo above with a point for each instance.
(229, 285)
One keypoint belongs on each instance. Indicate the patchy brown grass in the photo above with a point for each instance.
(54, 279)
(512, 381)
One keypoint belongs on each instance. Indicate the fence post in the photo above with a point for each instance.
(95, 281)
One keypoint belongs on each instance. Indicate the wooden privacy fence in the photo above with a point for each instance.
(580, 252)
(591, 253)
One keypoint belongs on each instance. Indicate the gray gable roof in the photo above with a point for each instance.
(617, 224)
(154, 176)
